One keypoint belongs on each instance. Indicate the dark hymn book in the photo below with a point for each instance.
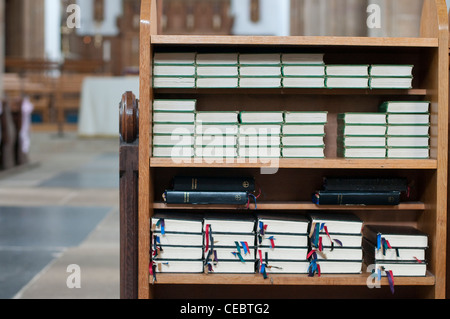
(213, 184)
(206, 198)
(365, 184)
(356, 198)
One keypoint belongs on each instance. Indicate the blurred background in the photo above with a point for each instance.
(65, 69)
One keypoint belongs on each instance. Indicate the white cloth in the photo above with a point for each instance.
(100, 99)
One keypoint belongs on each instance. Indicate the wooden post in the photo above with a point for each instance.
(129, 167)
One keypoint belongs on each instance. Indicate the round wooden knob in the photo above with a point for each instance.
(129, 118)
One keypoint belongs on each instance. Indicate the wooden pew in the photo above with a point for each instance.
(8, 137)
(67, 96)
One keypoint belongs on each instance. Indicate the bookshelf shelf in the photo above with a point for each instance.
(309, 41)
(428, 211)
(284, 280)
(295, 91)
(407, 206)
(296, 163)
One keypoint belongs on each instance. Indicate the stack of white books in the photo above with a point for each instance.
(229, 243)
(216, 134)
(395, 251)
(347, 76)
(217, 70)
(259, 134)
(303, 134)
(260, 70)
(282, 244)
(177, 243)
(174, 128)
(356, 141)
(303, 70)
(174, 70)
(408, 125)
(391, 76)
(335, 243)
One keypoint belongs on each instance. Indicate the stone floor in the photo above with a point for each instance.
(59, 211)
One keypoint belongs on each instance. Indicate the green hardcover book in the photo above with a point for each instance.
(305, 117)
(260, 129)
(347, 70)
(408, 141)
(361, 141)
(362, 130)
(174, 58)
(408, 130)
(260, 82)
(303, 129)
(302, 59)
(340, 82)
(303, 152)
(173, 117)
(174, 70)
(173, 139)
(405, 107)
(408, 118)
(304, 82)
(269, 117)
(213, 117)
(362, 118)
(303, 140)
(303, 70)
(408, 152)
(210, 82)
(173, 151)
(161, 82)
(362, 152)
(217, 71)
(216, 59)
(390, 83)
(260, 59)
(391, 70)
(260, 71)
(174, 105)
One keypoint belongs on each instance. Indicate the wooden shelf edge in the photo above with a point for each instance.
(286, 280)
(294, 163)
(293, 206)
(295, 40)
(292, 91)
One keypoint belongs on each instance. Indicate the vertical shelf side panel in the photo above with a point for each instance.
(148, 26)
(434, 220)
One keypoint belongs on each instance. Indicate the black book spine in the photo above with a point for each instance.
(366, 184)
(356, 198)
(212, 184)
(206, 198)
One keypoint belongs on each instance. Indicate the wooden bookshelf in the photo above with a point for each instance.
(290, 187)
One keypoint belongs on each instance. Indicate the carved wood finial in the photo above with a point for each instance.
(129, 117)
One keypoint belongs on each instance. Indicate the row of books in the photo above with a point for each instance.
(313, 244)
(399, 130)
(270, 70)
(181, 131)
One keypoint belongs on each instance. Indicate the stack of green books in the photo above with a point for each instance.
(408, 128)
(174, 70)
(260, 70)
(302, 70)
(259, 134)
(361, 135)
(174, 128)
(217, 70)
(303, 134)
(216, 134)
(347, 76)
(391, 76)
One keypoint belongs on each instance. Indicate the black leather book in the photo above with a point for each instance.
(206, 198)
(365, 184)
(356, 198)
(212, 184)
